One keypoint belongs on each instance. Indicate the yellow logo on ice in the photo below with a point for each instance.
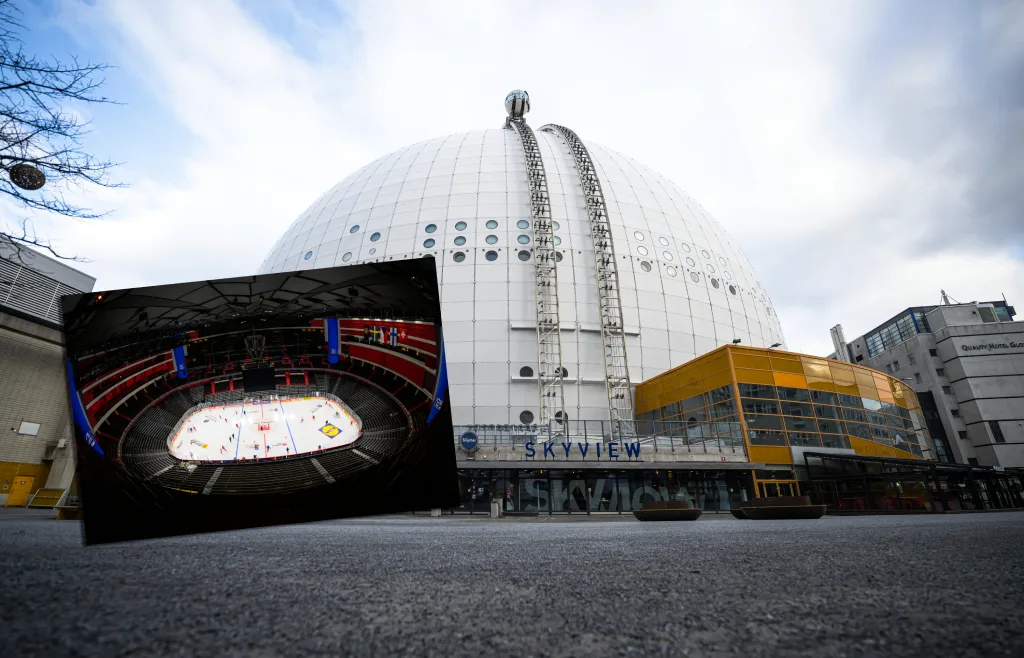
(206, 445)
(330, 430)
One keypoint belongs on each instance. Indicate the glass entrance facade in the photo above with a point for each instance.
(598, 491)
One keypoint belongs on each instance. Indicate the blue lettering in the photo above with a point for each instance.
(530, 452)
(549, 450)
(612, 452)
(567, 447)
(633, 449)
(584, 448)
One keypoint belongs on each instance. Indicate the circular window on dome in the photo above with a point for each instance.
(556, 225)
(728, 275)
(491, 224)
(309, 254)
(460, 240)
(667, 256)
(645, 266)
(375, 237)
(491, 239)
(522, 223)
(694, 276)
(638, 235)
(714, 283)
(354, 229)
(732, 290)
(642, 250)
(670, 270)
(710, 269)
(704, 253)
(523, 239)
(491, 255)
(686, 247)
(458, 257)
(430, 228)
(691, 262)
(558, 240)
(524, 255)
(558, 257)
(347, 257)
(526, 371)
(526, 417)
(428, 243)
(663, 241)
(565, 373)
(721, 261)
(373, 251)
(460, 226)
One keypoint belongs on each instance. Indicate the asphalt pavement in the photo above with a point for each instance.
(949, 585)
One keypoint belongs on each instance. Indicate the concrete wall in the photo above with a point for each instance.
(33, 388)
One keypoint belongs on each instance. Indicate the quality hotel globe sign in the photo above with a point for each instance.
(990, 345)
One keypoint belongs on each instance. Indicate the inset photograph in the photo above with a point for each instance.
(260, 400)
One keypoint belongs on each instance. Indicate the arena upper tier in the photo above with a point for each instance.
(498, 209)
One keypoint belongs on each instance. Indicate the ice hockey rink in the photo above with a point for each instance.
(262, 429)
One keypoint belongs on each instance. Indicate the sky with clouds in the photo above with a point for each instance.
(863, 154)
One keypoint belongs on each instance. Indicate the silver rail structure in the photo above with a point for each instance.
(616, 367)
(549, 343)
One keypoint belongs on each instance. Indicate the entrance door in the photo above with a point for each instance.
(774, 488)
(20, 489)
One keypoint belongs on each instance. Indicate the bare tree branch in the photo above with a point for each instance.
(41, 132)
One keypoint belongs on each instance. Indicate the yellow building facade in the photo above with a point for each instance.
(779, 404)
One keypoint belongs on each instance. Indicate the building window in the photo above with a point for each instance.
(859, 358)
(524, 255)
(526, 371)
(354, 229)
(491, 255)
(458, 257)
(997, 432)
(491, 224)
(941, 372)
(428, 243)
(491, 239)
(430, 228)
(947, 390)
(460, 240)
(461, 226)
(911, 359)
(526, 417)
(309, 254)
(896, 366)
(962, 434)
(888, 367)
(375, 237)
(917, 378)
(933, 352)
(955, 413)
(522, 223)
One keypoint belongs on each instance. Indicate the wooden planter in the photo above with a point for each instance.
(667, 510)
(781, 507)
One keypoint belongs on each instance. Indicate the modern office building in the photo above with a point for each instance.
(966, 363)
(568, 272)
(37, 459)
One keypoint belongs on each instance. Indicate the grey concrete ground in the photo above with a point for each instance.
(866, 586)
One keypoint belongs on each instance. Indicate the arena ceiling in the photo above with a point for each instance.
(406, 289)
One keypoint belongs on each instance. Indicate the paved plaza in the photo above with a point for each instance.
(841, 586)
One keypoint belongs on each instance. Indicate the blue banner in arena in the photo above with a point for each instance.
(78, 412)
(441, 387)
(180, 367)
(332, 340)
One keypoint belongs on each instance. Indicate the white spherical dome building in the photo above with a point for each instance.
(534, 230)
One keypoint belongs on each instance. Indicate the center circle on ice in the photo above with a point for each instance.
(269, 428)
